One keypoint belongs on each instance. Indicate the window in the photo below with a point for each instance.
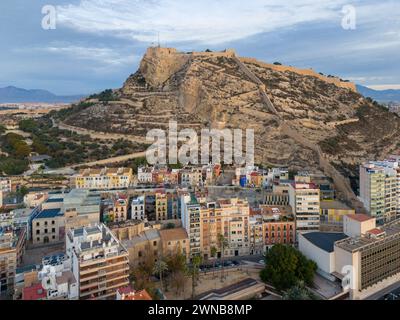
(53, 230)
(37, 231)
(45, 230)
(37, 224)
(53, 222)
(37, 239)
(154, 243)
(53, 237)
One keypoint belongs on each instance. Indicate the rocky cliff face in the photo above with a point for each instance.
(159, 64)
(296, 114)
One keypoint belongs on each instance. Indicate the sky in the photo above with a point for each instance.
(97, 44)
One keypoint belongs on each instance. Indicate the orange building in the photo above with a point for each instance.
(279, 225)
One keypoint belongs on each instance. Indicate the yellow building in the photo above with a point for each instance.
(106, 178)
(332, 212)
(161, 207)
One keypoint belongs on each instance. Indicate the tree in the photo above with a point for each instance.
(306, 269)
(11, 166)
(196, 261)
(178, 281)
(143, 272)
(223, 243)
(22, 149)
(298, 292)
(178, 268)
(23, 191)
(213, 252)
(38, 146)
(170, 225)
(28, 125)
(106, 95)
(159, 268)
(285, 267)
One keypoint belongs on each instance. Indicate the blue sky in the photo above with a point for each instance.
(97, 44)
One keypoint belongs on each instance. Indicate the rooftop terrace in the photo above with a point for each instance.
(391, 230)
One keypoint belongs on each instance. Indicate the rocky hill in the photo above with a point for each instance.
(302, 119)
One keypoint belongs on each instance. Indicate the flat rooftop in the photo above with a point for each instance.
(360, 217)
(49, 213)
(391, 229)
(334, 204)
(324, 240)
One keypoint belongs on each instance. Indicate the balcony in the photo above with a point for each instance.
(111, 288)
(103, 281)
(103, 266)
(102, 273)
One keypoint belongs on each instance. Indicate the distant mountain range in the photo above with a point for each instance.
(12, 94)
(380, 95)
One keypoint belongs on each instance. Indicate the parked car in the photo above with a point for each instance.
(229, 264)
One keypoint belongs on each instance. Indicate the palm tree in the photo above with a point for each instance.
(196, 261)
(159, 267)
(213, 252)
(223, 243)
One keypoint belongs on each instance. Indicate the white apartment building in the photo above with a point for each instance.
(190, 215)
(57, 279)
(145, 175)
(191, 177)
(380, 189)
(138, 208)
(99, 261)
(304, 198)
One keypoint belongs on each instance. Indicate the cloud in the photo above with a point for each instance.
(206, 21)
(107, 56)
(385, 87)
